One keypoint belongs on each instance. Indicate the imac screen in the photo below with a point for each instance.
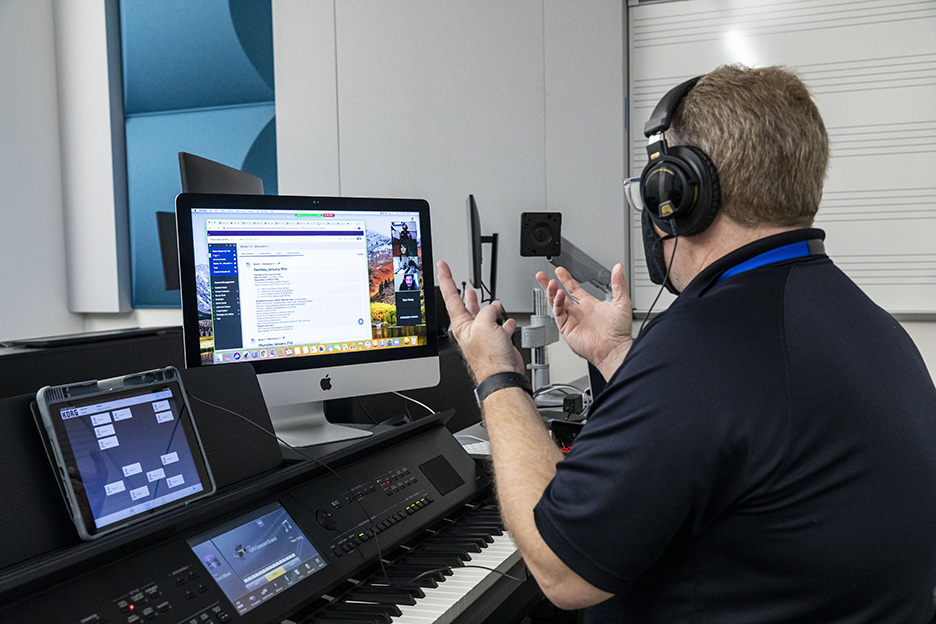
(285, 282)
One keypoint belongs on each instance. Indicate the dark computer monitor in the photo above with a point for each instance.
(475, 241)
(199, 175)
(310, 291)
(165, 226)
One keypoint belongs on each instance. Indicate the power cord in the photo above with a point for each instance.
(411, 399)
(364, 409)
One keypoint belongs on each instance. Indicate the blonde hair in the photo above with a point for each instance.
(766, 138)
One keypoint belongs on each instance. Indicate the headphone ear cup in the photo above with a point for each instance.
(709, 190)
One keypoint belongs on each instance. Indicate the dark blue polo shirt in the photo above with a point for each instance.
(765, 453)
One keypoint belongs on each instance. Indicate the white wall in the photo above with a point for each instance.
(94, 179)
(519, 103)
(33, 300)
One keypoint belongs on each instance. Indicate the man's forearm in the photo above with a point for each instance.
(523, 453)
(525, 461)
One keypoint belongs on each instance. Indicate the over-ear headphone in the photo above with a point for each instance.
(680, 183)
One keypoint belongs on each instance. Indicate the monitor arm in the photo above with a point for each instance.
(582, 267)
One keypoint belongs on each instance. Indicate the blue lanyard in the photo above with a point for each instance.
(787, 252)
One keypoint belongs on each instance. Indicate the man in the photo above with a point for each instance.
(409, 282)
(765, 450)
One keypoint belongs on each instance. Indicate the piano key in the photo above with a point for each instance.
(490, 527)
(449, 599)
(381, 618)
(374, 610)
(451, 546)
(414, 569)
(329, 620)
(381, 585)
(459, 534)
(412, 572)
(406, 580)
(391, 596)
(435, 559)
(414, 591)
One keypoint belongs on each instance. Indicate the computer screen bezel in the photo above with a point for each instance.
(186, 202)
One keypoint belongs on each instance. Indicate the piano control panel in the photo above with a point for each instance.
(279, 552)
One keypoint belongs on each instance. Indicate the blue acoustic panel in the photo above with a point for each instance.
(228, 135)
(261, 159)
(179, 54)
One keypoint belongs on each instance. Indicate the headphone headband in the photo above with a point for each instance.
(662, 115)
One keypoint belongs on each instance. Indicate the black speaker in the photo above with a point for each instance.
(540, 234)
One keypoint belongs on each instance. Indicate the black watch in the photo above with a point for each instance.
(499, 381)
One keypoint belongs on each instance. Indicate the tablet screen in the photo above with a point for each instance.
(129, 453)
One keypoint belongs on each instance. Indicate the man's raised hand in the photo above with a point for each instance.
(486, 346)
(599, 331)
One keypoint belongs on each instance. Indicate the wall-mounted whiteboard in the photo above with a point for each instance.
(871, 67)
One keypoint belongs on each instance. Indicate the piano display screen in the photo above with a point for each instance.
(257, 556)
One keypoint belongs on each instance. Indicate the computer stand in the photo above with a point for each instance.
(304, 424)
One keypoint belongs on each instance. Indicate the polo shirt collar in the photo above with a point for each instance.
(710, 275)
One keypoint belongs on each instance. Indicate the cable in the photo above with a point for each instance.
(367, 515)
(549, 389)
(565, 388)
(364, 409)
(665, 278)
(450, 569)
(559, 386)
(422, 405)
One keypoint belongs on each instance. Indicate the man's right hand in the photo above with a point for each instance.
(599, 331)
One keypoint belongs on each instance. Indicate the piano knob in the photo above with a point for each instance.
(325, 519)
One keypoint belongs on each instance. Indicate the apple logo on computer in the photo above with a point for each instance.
(325, 383)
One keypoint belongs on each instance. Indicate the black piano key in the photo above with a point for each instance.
(451, 545)
(412, 590)
(345, 618)
(394, 596)
(476, 543)
(434, 559)
(478, 523)
(365, 609)
(424, 572)
(483, 536)
(406, 581)
(331, 620)
(492, 520)
(490, 530)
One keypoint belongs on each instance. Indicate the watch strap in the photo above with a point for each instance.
(499, 381)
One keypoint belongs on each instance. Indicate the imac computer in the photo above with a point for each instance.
(325, 296)
(475, 240)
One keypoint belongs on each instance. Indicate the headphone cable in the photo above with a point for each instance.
(666, 277)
